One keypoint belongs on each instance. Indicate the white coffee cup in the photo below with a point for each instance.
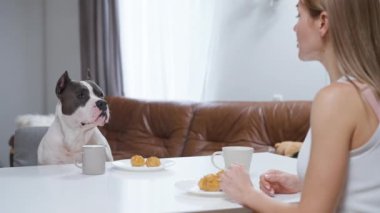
(93, 159)
(234, 155)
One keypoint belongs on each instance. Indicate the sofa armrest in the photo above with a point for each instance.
(25, 145)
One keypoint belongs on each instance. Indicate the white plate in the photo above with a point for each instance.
(191, 187)
(126, 165)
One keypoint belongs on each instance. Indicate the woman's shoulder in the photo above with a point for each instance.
(337, 92)
(338, 98)
(337, 105)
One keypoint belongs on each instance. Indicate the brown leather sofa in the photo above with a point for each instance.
(172, 129)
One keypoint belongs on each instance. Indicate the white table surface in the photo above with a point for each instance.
(63, 188)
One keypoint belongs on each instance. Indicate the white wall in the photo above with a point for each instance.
(39, 39)
(21, 64)
(256, 54)
(61, 44)
(32, 31)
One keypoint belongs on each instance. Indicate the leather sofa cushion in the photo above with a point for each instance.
(256, 124)
(147, 128)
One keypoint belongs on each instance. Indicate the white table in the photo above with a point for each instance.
(63, 188)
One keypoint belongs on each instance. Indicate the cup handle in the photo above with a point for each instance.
(213, 161)
(77, 163)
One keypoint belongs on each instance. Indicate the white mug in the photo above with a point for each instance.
(234, 155)
(93, 159)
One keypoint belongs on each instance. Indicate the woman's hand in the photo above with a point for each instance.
(279, 182)
(236, 183)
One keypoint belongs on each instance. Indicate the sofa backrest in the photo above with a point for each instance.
(147, 128)
(255, 124)
(172, 129)
(25, 145)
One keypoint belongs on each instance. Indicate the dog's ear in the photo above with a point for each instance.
(62, 83)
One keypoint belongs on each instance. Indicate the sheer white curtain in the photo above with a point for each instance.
(165, 47)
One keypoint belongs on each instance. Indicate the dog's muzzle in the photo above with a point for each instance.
(102, 105)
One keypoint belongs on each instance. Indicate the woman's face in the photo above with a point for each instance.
(309, 40)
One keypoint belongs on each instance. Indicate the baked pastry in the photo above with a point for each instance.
(137, 161)
(210, 182)
(153, 161)
(288, 148)
(219, 173)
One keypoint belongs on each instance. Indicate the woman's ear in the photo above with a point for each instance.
(323, 24)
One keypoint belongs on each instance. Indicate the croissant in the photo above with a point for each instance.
(210, 182)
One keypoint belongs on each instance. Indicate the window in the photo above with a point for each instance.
(165, 47)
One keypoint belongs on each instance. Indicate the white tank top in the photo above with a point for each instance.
(362, 190)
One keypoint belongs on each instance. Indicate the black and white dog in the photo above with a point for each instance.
(80, 109)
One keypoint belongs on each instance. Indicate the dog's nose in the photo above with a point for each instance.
(102, 105)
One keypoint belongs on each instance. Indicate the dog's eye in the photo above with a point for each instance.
(81, 95)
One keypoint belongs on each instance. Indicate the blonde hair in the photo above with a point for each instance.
(354, 29)
(315, 7)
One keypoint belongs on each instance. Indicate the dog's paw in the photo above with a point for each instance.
(288, 148)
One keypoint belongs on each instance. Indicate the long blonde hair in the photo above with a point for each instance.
(354, 29)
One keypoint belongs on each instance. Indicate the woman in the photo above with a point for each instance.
(337, 165)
